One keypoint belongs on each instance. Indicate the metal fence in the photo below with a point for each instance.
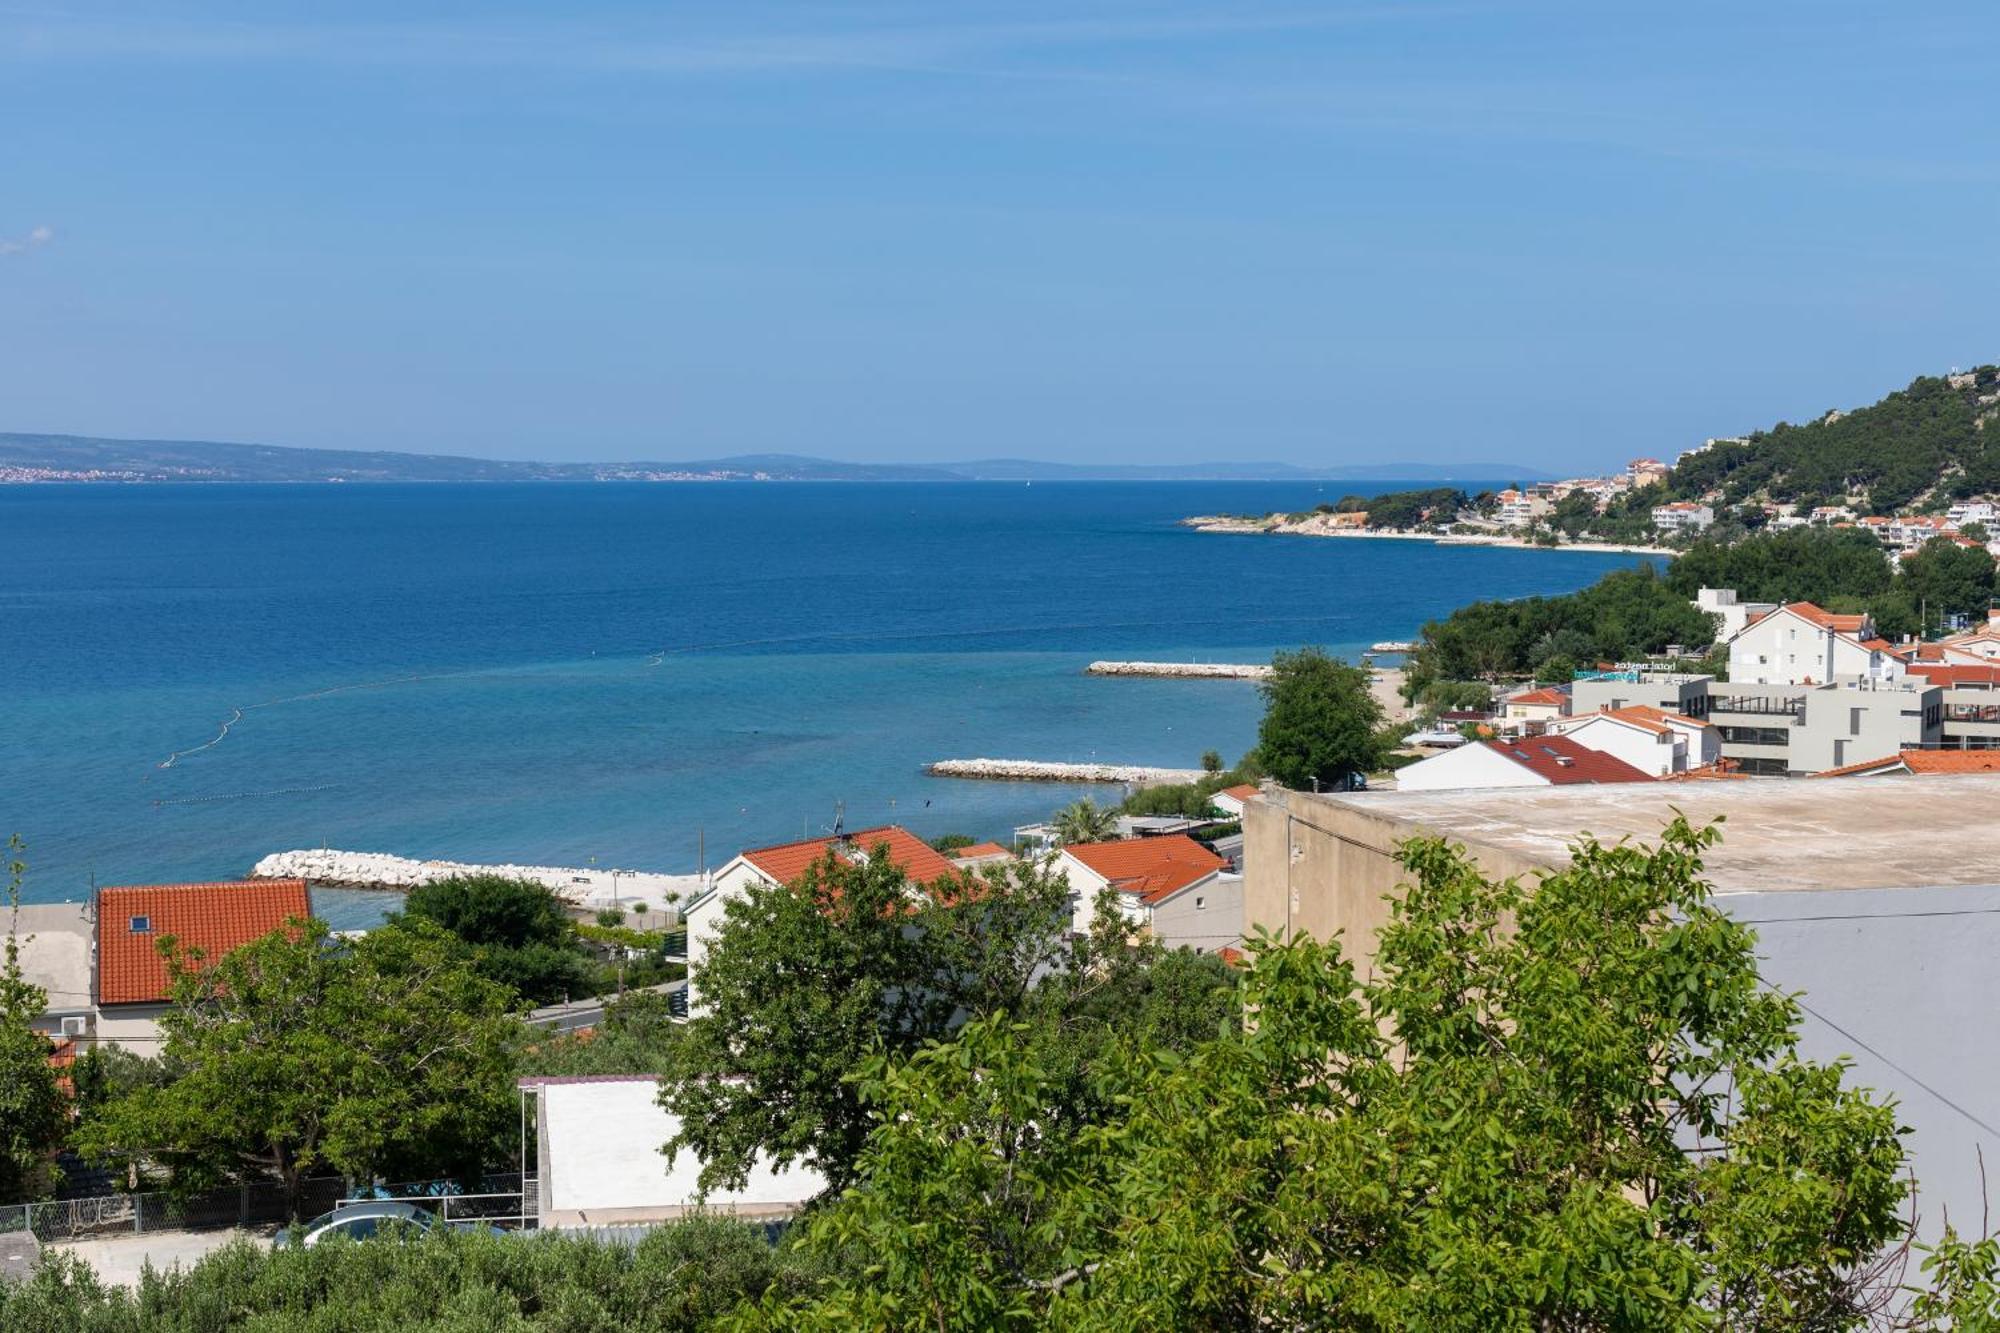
(499, 1199)
(109, 1214)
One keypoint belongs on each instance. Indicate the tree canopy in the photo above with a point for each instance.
(518, 931)
(383, 1056)
(1575, 1107)
(1321, 723)
(1933, 434)
(766, 1063)
(33, 1111)
(1627, 614)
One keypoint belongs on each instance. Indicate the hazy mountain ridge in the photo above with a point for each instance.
(31, 457)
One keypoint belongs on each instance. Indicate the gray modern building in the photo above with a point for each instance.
(1774, 730)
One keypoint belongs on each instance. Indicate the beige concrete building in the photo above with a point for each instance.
(1873, 897)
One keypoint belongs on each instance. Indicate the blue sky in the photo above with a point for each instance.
(1557, 234)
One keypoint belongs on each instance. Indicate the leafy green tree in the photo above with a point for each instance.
(632, 1038)
(684, 1278)
(33, 1112)
(1320, 720)
(1085, 821)
(763, 1063)
(767, 1064)
(518, 932)
(1946, 579)
(951, 842)
(385, 1056)
(1211, 761)
(1575, 1107)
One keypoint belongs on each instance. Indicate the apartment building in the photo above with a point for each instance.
(1682, 516)
(1517, 509)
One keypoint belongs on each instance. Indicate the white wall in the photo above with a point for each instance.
(1467, 766)
(704, 920)
(1649, 752)
(1201, 915)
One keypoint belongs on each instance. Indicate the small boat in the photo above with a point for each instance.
(1392, 646)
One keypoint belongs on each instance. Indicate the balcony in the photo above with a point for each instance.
(1766, 705)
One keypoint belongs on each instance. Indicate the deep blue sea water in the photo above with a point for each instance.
(550, 673)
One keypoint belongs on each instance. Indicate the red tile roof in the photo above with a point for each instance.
(1150, 868)
(1923, 761)
(1242, 791)
(1643, 716)
(1565, 762)
(1825, 619)
(917, 858)
(977, 850)
(213, 918)
(1548, 694)
(1956, 673)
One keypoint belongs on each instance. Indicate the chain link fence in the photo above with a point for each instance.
(499, 1198)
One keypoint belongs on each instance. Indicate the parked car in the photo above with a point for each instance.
(359, 1221)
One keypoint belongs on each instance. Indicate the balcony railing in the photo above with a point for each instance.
(1768, 705)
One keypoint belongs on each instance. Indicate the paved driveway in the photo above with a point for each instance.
(119, 1259)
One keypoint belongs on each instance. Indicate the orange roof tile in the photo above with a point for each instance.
(1825, 619)
(1548, 694)
(1923, 761)
(977, 850)
(1242, 791)
(214, 918)
(1645, 717)
(1150, 868)
(1956, 673)
(916, 858)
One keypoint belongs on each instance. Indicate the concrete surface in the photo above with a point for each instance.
(120, 1259)
(1778, 834)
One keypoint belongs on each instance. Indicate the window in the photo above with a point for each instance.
(141, 925)
(1199, 902)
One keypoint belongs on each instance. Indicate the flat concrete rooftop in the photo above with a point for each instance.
(1778, 834)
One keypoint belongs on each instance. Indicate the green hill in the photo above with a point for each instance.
(1937, 440)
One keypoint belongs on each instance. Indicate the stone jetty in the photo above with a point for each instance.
(1183, 670)
(591, 886)
(1035, 770)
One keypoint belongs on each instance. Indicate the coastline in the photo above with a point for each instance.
(1311, 527)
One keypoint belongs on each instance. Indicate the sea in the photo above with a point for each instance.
(646, 676)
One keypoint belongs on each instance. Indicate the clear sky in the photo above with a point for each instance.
(1556, 234)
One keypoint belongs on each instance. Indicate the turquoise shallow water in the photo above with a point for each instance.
(191, 677)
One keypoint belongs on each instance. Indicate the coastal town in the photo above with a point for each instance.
(999, 668)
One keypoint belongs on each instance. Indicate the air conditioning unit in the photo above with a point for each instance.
(75, 1026)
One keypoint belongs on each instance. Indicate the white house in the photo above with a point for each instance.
(1650, 739)
(1973, 511)
(1981, 644)
(1229, 800)
(1732, 614)
(1541, 705)
(1801, 644)
(784, 864)
(1535, 761)
(1682, 516)
(1172, 886)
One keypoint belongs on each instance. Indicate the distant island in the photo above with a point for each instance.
(76, 458)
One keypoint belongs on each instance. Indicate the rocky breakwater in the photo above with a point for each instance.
(1036, 770)
(1181, 670)
(583, 887)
